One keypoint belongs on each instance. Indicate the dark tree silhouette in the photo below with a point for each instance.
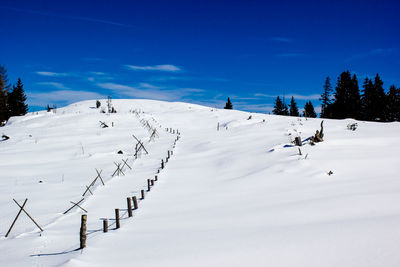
(309, 111)
(16, 100)
(228, 104)
(293, 111)
(280, 107)
(326, 99)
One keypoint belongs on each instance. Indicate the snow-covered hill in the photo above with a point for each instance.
(240, 196)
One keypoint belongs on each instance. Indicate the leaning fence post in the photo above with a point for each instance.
(117, 225)
(135, 205)
(129, 202)
(142, 192)
(105, 225)
(83, 231)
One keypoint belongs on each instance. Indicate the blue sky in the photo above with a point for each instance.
(198, 52)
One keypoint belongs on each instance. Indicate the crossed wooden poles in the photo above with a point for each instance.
(16, 218)
(139, 146)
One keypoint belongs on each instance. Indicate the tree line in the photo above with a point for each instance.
(12, 98)
(347, 101)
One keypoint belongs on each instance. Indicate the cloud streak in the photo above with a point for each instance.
(52, 74)
(66, 16)
(281, 39)
(166, 67)
(54, 84)
(296, 96)
(61, 97)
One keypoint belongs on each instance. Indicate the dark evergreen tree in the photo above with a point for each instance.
(373, 101)
(280, 107)
(228, 104)
(393, 104)
(293, 111)
(16, 100)
(353, 103)
(4, 91)
(309, 111)
(380, 99)
(326, 99)
(347, 97)
(3, 102)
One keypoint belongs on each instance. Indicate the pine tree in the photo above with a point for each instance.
(228, 104)
(326, 99)
(280, 107)
(3, 102)
(393, 104)
(293, 111)
(373, 101)
(4, 91)
(380, 99)
(309, 111)
(353, 102)
(16, 100)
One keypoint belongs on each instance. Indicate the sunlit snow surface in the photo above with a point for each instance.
(240, 196)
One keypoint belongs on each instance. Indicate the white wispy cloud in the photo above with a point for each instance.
(291, 55)
(288, 96)
(66, 16)
(143, 90)
(167, 67)
(54, 84)
(61, 97)
(373, 52)
(281, 39)
(52, 74)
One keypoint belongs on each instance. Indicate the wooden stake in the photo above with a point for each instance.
(152, 182)
(117, 225)
(75, 204)
(129, 202)
(162, 164)
(83, 231)
(16, 218)
(148, 184)
(135, 204)
(156, 178)
(28, 214)
(105, 225)
(142, 192)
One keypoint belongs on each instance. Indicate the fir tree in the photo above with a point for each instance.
(326, 99)
(347, 97)
(309, 111)
(393, 104)
(380, 99)
(293, 111)
(3, 102)
(16, 100)
(228, 104)
(373, 101)
(280, 107)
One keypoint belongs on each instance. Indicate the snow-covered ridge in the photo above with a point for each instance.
(233, 197)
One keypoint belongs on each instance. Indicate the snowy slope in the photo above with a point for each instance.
(240, 196)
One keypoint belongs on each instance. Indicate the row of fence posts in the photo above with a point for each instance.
(129, 200)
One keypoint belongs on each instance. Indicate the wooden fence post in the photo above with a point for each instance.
(162, 164)
(135, 204)
(156, 178)
(169, 153)
(117, 225)
(142, 191)
(105, 225)
(129, 202)
(83, 231)
(152, 182)
(148, 184)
